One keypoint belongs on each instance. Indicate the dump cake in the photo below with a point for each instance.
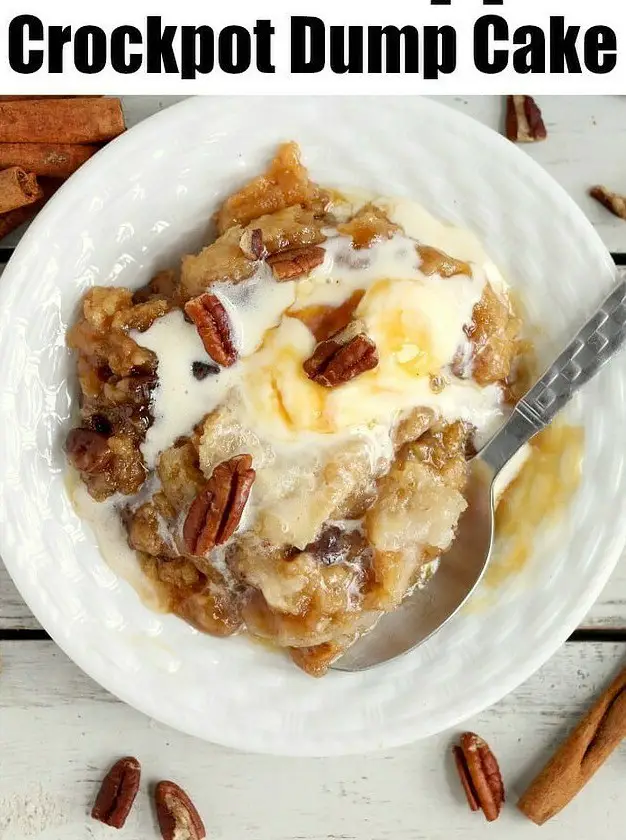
(280, 429)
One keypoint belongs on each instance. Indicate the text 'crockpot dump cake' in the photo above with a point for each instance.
(280, 430)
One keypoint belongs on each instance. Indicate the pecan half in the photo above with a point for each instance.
(524, 123)
(480, 775)
(88, 450)
(213, 324)
(293, 263)
(614, 202)
(117, 793)
(176, 813)
(217, 509)
(341, 357)
(251, 243)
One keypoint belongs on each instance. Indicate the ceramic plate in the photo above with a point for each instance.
(140, 204)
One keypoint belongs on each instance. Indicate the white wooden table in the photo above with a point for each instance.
(59, 730)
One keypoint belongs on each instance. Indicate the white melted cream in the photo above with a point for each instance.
(179, 396)
(180, 399)
(254, 307)
(416, 322)
(110, 533)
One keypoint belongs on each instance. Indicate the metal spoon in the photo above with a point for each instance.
(462, 567)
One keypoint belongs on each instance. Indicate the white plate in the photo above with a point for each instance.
(141, 203)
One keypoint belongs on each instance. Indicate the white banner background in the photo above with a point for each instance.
(462, 14)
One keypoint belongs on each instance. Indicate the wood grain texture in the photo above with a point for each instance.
(14, 614)
(62, 732)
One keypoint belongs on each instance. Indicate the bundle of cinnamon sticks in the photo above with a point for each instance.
(44, 140)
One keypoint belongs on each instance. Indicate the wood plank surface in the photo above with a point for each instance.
(62, 731)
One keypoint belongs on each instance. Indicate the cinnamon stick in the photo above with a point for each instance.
(44, 96)
(81, 120)
(51, 160)
(16, 218)
(18, 189)
(22, 98)
(582, 754)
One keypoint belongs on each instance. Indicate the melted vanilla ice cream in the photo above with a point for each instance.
(416, 322)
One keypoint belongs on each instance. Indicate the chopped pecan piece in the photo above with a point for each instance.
(614, 202)
(251, 243)
(287, 265)
(88, 451)
(216, 511)
(524, 123)
(340, 358)
(117, 793)
(176, 813)
(480, 775)
(213, 325)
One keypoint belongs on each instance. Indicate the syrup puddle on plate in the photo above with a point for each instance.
(537, 498)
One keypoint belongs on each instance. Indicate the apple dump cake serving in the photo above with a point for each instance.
(279, 431)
